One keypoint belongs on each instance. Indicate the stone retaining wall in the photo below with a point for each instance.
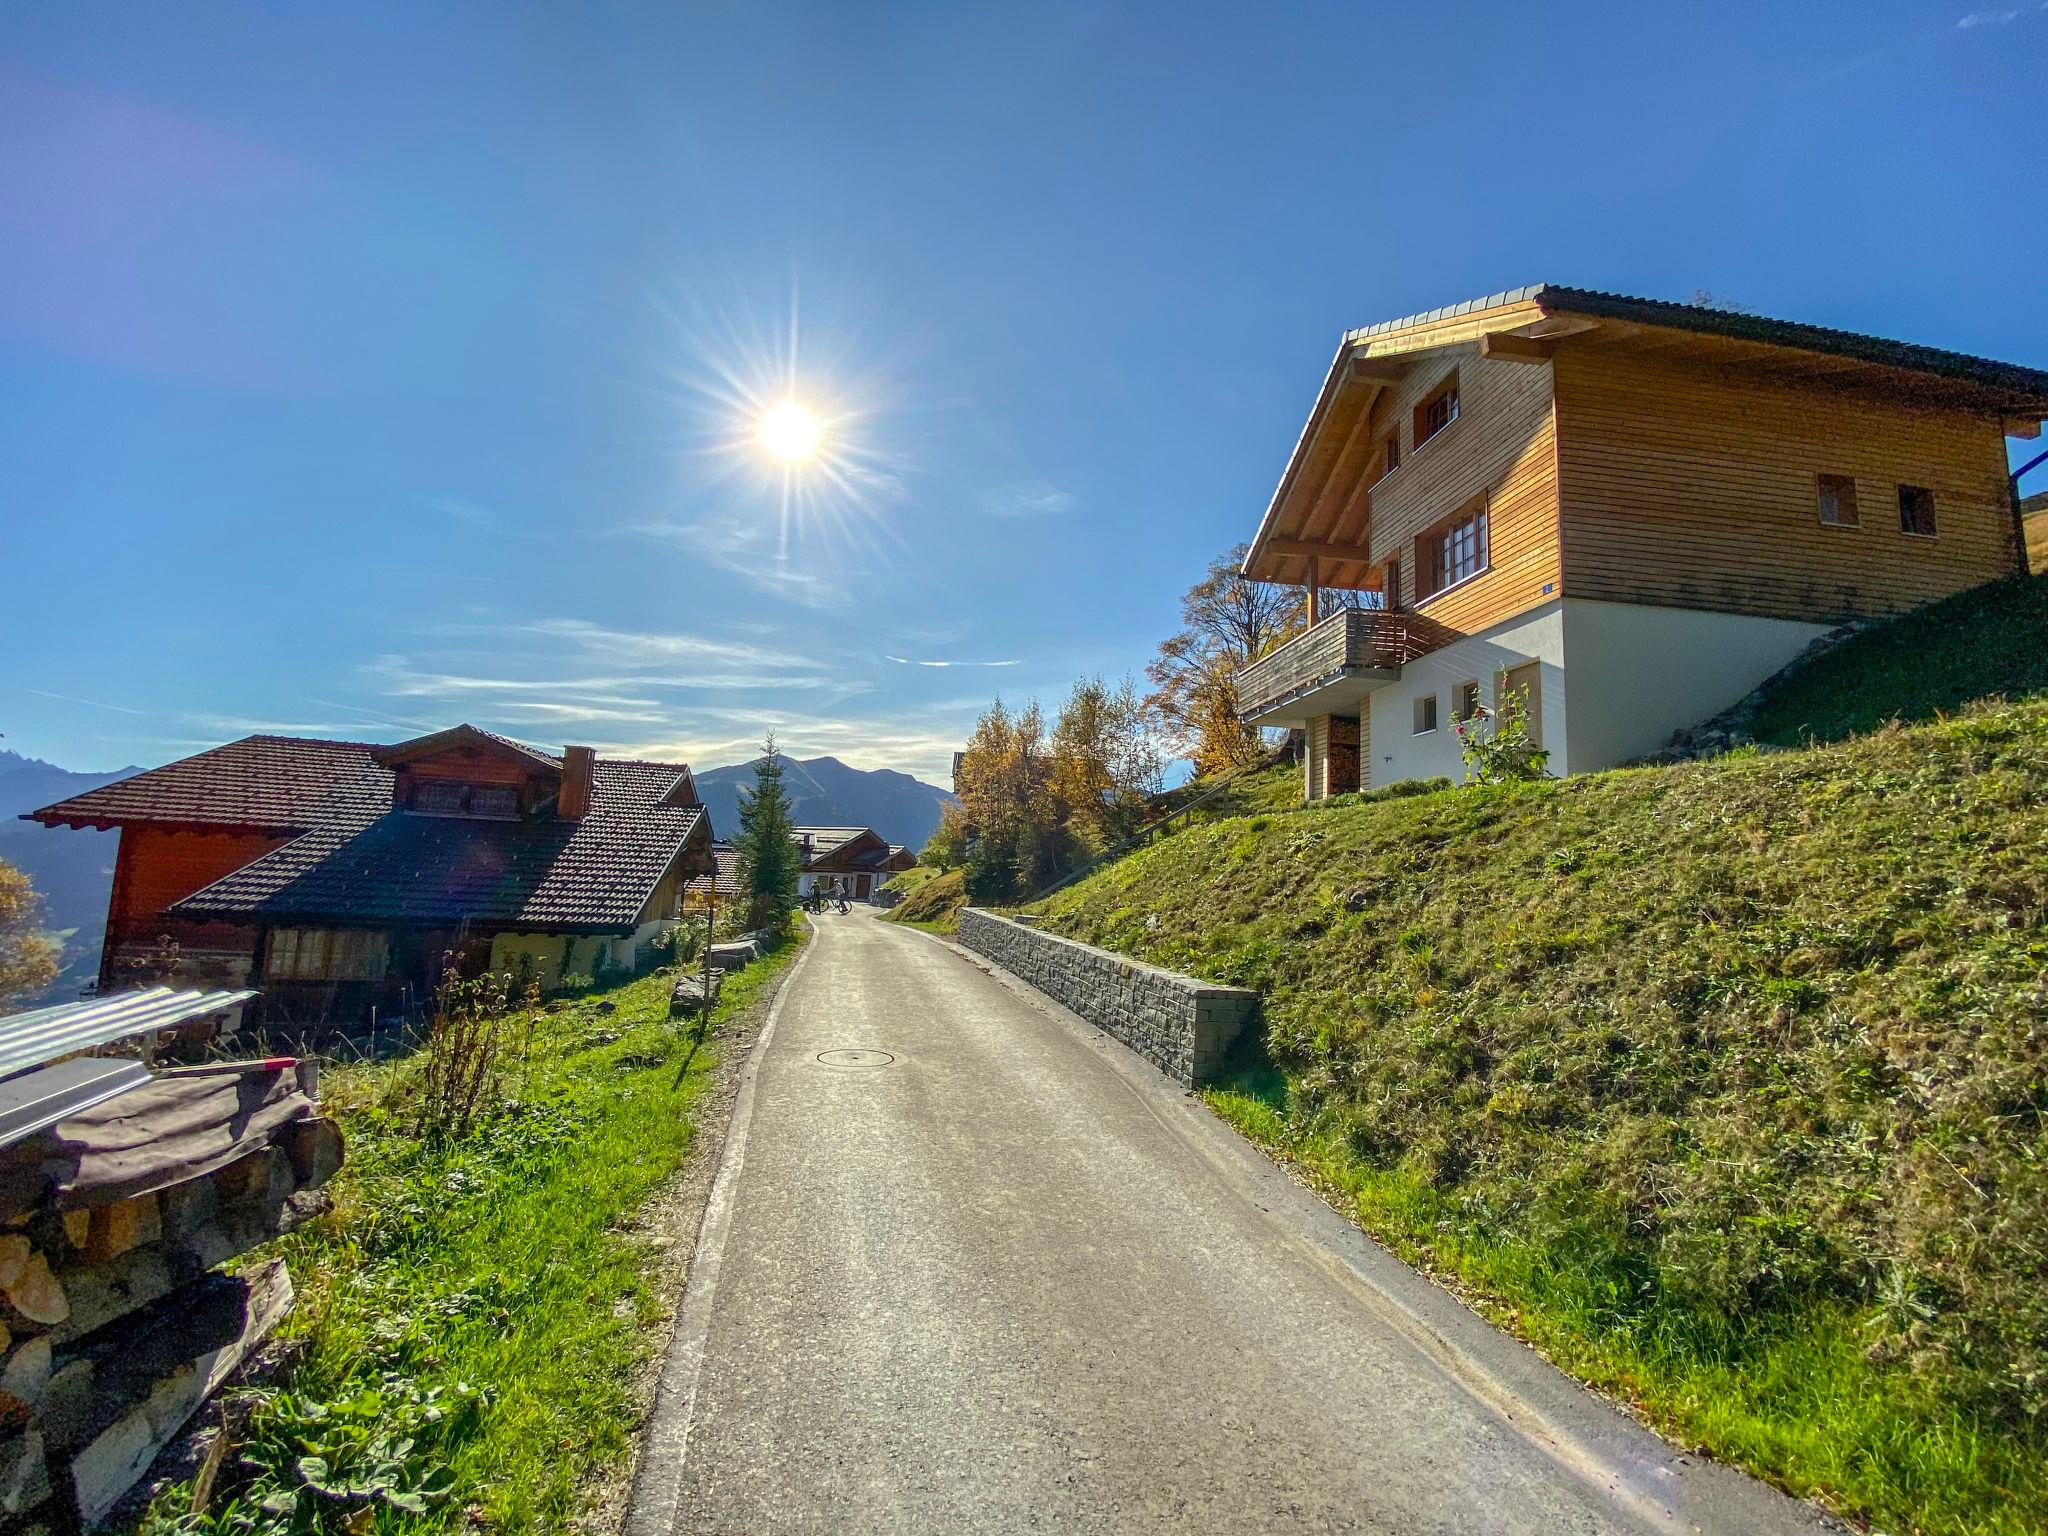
(1180, 1024)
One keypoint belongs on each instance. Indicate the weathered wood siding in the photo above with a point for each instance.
(1689, 487)
(157, 865)
(1502, 446)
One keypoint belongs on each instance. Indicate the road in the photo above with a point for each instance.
(969, 1265)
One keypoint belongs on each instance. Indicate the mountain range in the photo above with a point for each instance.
(824, 792)
(73, 870)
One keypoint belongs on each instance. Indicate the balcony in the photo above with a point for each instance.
(1328, 670)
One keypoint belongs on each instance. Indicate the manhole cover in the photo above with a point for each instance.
(855, 1058)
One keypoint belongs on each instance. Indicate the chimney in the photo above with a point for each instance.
(578, 763)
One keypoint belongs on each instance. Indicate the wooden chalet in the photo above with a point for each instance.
(1626, 512)
(335, 876)
(848, 861)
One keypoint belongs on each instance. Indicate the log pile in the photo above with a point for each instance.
(114, 1328)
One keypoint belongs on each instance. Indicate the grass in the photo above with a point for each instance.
(908, 880)
(1724, 1083)
(1926, 664)
(2036, 527)
(483, 1307)
(934, 906)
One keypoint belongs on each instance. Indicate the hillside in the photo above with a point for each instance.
(825, 792)
(73, 871)
(2035, 511)
(1723, 1082)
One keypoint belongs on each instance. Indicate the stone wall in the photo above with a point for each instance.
(1182, 1025)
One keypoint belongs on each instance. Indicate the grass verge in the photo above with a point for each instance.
(934, 906)
(472, 1318)
(1725, 1083)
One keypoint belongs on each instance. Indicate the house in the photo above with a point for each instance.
(1625, 511)
(336, 875)
(848, 861)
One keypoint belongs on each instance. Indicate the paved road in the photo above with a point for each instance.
(991, 1272)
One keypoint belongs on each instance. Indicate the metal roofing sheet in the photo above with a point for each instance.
(35, 1101)
(42, 1034)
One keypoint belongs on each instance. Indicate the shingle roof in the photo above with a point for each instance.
(403, 868)
(2029, 383)
(724, 882)
(269, 783)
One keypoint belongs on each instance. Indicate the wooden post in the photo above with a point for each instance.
(1314, 592)
(710, 929)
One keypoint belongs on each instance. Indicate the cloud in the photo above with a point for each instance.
(66, 698)
(1999, 18)
(905, 661)
(1026, 498)
(750, 553)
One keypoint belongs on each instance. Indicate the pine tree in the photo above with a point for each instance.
(768, 859)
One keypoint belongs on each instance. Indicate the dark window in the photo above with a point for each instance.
(1453, 552)
(1390, 454)
(445, 797)
(1437, 411)
(1916, 510)
(1464, 701)
(1836, 497)
(1425, 714)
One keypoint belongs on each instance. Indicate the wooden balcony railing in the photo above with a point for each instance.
(1349, 641)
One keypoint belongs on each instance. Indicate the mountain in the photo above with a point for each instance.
(73, 870)
(824, 792)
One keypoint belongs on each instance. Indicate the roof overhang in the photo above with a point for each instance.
(1341, 693)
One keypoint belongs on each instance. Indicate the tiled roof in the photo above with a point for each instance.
(403, 868)
(725, 883)
(271, 783)
(2026, 382)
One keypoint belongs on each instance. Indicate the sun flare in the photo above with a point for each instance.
(790, 432)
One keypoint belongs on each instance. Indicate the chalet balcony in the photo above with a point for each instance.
(1329, 669)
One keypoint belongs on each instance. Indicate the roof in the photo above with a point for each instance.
(377, 866)
(724, 881)
(833, 848)
(262, 783)
(464, 735)
(43, 1034)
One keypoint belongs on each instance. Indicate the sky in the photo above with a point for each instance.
(365, 368)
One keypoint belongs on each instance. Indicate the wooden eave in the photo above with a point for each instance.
(55, 817)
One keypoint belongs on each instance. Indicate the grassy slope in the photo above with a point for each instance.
(2037, 540)
(935, 904)
(510, 1262)
(1724, 1083)
(1931, 662)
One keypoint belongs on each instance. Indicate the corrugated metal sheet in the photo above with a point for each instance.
(37, 1100)
(42, 1034)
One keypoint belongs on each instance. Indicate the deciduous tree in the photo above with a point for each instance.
(1227, 622)
(28, 961)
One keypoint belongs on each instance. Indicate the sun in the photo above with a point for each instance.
(790, 432)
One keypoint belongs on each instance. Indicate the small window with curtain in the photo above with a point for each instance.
(1465, 701)
(1836, 498)
(1425, 714)
(1916, 511)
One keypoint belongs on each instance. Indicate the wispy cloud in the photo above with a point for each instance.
(66, 698)
(905, 661)
(753, 555)
(1998, 18)
(1026, 498)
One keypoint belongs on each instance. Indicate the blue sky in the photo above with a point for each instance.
(365, 368)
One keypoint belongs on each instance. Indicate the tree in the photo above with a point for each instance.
(1227, 622)
(768, 860)
(1005, 791)
(28, 961)
(1105, 763)
(947, 847)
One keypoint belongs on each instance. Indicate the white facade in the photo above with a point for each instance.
(1613, 681)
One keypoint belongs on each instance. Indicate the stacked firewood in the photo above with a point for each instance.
(113, 1328)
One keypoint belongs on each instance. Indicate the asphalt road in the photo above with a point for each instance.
(969, 1265)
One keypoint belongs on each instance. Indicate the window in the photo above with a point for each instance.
(1390, 454)
(1836, 495)
(1916, 511)
(1450, 553)
(1439, 408)
(445, 797)
(326, 954)
(1425, 714)
(1465, 701)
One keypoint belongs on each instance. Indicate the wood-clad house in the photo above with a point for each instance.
(848, 861)
(335, 876)
(1628, 511)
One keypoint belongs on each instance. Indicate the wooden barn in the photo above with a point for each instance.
(340, 876)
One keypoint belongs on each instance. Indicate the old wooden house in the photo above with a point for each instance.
(1626, 512)
(338, 876)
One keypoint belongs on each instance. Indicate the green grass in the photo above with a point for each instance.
(1725, 1083)
(934, 906)
(1992, 641)
(908, 880)
(507, 1271)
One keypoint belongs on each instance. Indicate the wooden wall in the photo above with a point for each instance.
(158, 865)
(1502, 446)
(1691, 487)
